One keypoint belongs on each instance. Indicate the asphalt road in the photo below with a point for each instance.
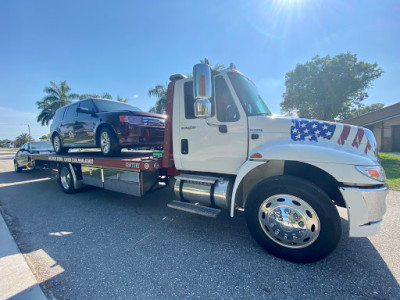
(99, 244)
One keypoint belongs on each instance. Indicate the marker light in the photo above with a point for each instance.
(373, 172)
(256, 155)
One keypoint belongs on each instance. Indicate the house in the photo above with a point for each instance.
(385, 124)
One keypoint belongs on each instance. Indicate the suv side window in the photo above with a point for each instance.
(59, 115)
(189, 101)
(86, 104)
(226, 107)
(71, 111)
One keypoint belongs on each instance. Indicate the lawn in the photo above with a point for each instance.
(391, 164)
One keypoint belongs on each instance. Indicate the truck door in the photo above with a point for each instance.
(217, 144)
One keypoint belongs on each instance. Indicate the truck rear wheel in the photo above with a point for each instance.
(65, 179)
(293, 219)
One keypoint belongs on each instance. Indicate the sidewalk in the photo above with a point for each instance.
(16, 278)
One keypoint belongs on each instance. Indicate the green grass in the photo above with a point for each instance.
(391, 164)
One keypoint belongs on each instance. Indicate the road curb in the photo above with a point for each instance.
(17, 280)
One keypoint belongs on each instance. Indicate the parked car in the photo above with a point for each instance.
(21, 159)
(105, 124)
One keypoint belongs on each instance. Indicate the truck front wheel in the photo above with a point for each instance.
(293, 219)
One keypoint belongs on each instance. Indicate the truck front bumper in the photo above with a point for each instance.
(365, 208)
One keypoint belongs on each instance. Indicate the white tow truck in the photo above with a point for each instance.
(223, 149)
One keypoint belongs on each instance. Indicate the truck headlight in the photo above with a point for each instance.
(373, 172)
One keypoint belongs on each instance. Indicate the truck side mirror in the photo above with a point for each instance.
(202, 90)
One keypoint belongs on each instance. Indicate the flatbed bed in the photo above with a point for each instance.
(133, 160)
(133, 172)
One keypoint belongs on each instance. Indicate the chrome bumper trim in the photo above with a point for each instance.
(365, 208)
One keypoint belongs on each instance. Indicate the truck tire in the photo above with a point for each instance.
(293, 219)
(109, 142)
(65, 179)
(57, 145)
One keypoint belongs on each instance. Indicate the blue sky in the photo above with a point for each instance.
(126, 47)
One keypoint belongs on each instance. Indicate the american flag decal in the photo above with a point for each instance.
(306, 130)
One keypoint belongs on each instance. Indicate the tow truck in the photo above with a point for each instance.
(223, 149)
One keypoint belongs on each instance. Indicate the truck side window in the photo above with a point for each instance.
(189, 101)
(226, 108)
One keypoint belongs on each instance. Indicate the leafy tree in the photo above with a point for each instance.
(45, 137)
(352, 113)
(326, 87)
(22, 139)
(57, 96)
(103, 96)
(160, 92)
(5, 142)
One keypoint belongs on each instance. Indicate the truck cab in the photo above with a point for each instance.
(286, 173)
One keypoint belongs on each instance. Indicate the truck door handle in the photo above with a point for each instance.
(184, 146)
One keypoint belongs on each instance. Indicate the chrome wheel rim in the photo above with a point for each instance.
(65, 178)
(289, 221)
(105, 142)
(56, 143)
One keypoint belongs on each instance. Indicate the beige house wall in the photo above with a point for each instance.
(383, 133)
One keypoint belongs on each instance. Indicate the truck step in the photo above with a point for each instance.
(195, 209)
(198, 178)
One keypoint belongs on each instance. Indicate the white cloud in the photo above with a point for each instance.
(135, 96)
(14, 122)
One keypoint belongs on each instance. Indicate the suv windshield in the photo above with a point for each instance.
(248, 95)
(110, 105)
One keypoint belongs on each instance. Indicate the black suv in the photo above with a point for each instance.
(105, 124)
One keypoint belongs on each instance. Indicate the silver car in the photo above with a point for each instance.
(22, 158)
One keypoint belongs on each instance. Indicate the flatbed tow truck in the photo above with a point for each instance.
(223, 149)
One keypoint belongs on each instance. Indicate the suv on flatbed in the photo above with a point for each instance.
(106, 124)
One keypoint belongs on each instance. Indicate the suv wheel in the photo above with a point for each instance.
(57, 145)
(109, 143)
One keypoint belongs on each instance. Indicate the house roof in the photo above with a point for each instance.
(383, 114)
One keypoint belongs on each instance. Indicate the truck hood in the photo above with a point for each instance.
(311, 140)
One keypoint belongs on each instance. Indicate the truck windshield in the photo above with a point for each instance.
(248, 95)
(110, 105)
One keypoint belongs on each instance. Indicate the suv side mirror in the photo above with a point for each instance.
(202, 90)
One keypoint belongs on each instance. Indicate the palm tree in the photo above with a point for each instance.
(57, 96)
(120, 99)
(159, 91)
(103, 96)
(22, 139)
